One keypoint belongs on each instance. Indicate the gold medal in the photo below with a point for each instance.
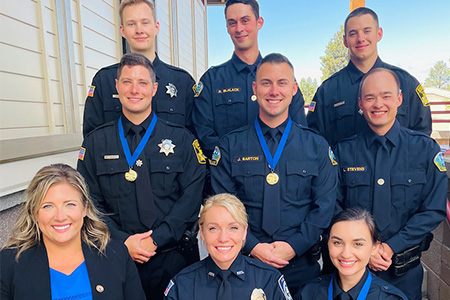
(272, 178)
(131, 175)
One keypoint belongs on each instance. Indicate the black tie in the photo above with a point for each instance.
(271, 203)
(224, 292)
(146, 204)
(382, 185)
(344, 296)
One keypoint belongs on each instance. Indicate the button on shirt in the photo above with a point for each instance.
(201, 280)
(225, 104)
(307, 178)
(334, 110)
(418, 187)
(104, 104)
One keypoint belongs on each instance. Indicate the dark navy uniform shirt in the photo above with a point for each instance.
(333, 113)
(102, 103)
(307, 178)
(177, 180)
(317, 289)
(249, 277)
(418, 182)
(223, 102)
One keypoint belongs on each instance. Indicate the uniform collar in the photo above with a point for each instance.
(354, 291)
(156, 64)
(265, 128)
(127, 123)
(393, 135)
(241, 65)
(356, 75)
(237, 268)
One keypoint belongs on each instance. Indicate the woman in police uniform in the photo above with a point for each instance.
(225, 273)
(352, 240)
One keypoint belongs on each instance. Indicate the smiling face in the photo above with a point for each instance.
(361, 38)
(243, 27)
(223, 236)
(350, 246)
(379, 101)
(274, 88)
(60, 216)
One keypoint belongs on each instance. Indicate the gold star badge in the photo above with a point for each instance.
(166, 147)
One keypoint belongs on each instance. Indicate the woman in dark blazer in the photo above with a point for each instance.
(61, 249)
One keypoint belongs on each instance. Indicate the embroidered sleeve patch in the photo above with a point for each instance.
(284, 288)
(81, 153)
(198, 151)
(423, 97)
(91, 91)
(332, 157)
(312, 106)
(215, 157)
(169, 286)
(439, 162)
(197, 88)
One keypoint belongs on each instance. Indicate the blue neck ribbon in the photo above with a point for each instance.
(273, 161)
(362, 294)
(131, 159)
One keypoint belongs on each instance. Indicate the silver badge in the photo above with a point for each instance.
(171, 90)
(166, 147)
(139, 163)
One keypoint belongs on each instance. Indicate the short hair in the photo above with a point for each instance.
(275, 58)
(253, 4)
(358, 214)
(126, 3)
(136, 59)
(359, 12)
(228, 201)
(26, 232)
(377, 70)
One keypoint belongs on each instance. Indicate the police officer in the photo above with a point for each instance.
(284, 173)
(226, 274)
(174, 98)
(399, 176)
(224, 97)
(145, 175)
(334, 111)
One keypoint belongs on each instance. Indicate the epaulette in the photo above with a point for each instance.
(259, 264)
(107, 124)
(113, 66)
(191, 268)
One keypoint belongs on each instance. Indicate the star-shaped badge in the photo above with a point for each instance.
(171, 90)
(166, 147)
(139, 163)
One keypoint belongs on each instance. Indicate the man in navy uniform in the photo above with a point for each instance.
(334, 111)
(224, 97)
(174, 98)
(146, 176)
(284, 173)
(398, 175)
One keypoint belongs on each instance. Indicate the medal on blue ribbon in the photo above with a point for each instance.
(362, 294)
(131, 175)
(272, 178)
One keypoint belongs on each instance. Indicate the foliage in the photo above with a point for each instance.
(439, 76)
(308, 87)
(336, 55)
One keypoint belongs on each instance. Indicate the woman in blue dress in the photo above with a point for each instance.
(352, 240)
(60, 249)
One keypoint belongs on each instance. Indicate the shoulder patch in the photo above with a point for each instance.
(91, 91)
(332, 156)
(198, 151)
(197, 88)
(284, 288)
(215, 157)
(312, 106)
(423, 97)
(439, 162)
(81, 153)
(169, 286)
(258, 294)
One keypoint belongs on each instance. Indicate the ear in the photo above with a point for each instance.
(295, 88)
(400, 98)
(379, 34)
(259, 23)
(201, 234)
(155, 88)
(344, 38)
(359, 103)
(121, 31)
(375, 248)
(156, 28)
(117, 83)
(254, 87)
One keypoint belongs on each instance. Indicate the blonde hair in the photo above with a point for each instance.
(126, 3)
(26, 232)
(231, 203)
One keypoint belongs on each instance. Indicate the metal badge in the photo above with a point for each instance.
(166, 147)
(171, 90)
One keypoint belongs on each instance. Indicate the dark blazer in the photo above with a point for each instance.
(112, 276)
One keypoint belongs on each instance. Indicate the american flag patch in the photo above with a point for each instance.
(91, 91)
(169, 286)
(312, 106)
(81, 153)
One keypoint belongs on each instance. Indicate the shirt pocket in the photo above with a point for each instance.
(111, 108)
(164, 173)
(299, 179)
(406, 189)
(111, 177)
(249, 179)
(357, 190)
(231, 110)
(343, 120)
(172, 110)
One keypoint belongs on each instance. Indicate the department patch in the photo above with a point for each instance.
(258, 294)
(91, 91)
(171, 90)
(81, 153)
(215, 157)
(312, 106)
(169, 286)
(166, 147)
(332, 157)
(197, 88)
(198, 151)
(284, 288)
(423, 97)
(439, 162)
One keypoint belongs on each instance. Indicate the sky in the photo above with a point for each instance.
(416, 33)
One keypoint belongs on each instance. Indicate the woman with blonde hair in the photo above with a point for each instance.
(60, 248)
(226, 274)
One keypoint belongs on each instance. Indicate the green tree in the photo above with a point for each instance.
(439, 76)
(336, 55)
(308, 87)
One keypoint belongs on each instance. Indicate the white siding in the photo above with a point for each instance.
(164, 37)
(185, 38)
